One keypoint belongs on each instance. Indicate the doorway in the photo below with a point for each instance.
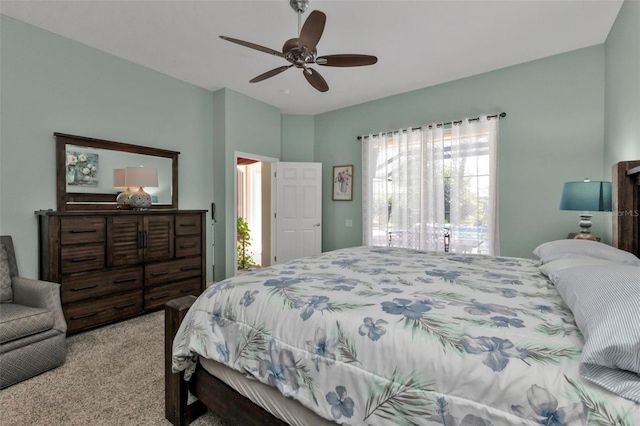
(253, 210)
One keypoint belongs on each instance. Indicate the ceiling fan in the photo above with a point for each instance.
(301, 52)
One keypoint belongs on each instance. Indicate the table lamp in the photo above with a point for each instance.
(140, 177)
(118, 183)
(586, 196)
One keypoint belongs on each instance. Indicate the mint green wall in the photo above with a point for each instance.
(252, 127)
(52, 84)
(553, 133)
(297, 138)
(622, 88)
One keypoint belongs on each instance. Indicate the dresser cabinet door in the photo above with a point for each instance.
(124, 240)
(158, 238)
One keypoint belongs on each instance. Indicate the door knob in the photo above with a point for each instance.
(316, 224)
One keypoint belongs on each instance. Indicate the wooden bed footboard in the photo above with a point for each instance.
(230, 406)
(176, 389)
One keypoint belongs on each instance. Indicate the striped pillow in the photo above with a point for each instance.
(605, 300)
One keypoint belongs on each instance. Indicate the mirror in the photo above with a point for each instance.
(84, 168)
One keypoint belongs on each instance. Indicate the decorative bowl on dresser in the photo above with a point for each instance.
(113, 262)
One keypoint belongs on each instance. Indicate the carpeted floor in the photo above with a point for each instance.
(113, 375)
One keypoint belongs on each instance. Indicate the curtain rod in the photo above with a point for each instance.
(501, 115)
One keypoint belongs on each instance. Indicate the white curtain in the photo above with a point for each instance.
(473, 183)
(417, 183)
(433, 193)
(403, 192)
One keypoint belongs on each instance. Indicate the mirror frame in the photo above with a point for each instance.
(92, 201)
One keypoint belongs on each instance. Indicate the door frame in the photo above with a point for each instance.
(264, 159)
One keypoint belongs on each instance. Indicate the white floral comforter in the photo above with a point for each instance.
(382, 336)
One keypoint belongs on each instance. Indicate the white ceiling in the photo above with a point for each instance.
(418, 43)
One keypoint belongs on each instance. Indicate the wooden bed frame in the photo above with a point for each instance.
(234, 409)
(625, 177)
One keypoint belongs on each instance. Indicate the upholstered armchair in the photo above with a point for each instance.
(32, 325)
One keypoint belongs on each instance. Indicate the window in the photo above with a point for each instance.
(421, 183)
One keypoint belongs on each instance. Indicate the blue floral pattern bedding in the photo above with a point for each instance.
(391, 336)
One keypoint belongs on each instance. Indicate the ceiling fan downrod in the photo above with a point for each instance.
(299, 6)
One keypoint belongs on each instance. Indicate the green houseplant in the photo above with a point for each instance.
(245, 261)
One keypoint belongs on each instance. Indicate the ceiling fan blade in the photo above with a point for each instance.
(315, 79)
(271, 73)
(312, 31)
(253, 46)
(346, 60)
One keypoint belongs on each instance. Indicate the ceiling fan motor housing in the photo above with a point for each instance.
(296, 56)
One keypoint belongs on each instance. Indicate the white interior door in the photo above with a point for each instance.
(298, 210)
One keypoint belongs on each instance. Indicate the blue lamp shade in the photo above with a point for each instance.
(594, 196)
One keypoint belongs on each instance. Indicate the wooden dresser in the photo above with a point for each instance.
(116, 264)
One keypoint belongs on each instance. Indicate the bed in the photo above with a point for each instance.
(380, 336)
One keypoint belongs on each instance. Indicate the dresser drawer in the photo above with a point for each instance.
(80, 258)
(188, 245)
(101, 310)
(176, 270)
(188, 224)
(85, 285)
(81, 230)
(155, 297)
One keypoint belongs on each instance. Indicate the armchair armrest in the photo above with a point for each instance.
(40, 294)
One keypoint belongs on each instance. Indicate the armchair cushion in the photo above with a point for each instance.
(6, 293)
(40, 294)
(18, 321)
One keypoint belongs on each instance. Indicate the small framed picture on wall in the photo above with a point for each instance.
(342, 183)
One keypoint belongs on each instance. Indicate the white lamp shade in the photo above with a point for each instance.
(141, 176)
(118, 178)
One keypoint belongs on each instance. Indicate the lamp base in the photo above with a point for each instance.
(585, 223)
(123, 197)
(140, 200)
(585, 237)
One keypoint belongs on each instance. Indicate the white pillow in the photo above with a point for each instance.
(571, 249)
(605, 301)
(556, 265)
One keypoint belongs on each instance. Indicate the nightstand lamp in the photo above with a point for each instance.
(140, 177)
(587, 196)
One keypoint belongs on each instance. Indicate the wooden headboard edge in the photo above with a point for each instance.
(625, 177)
